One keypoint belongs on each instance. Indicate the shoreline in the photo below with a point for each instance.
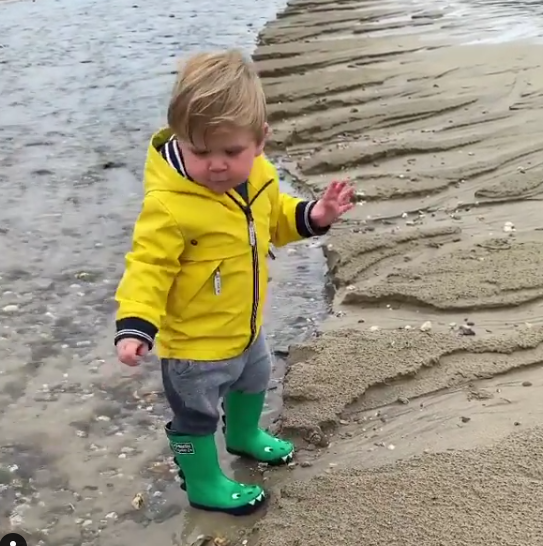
(436, 328)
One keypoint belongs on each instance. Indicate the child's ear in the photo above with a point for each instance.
(260, 147)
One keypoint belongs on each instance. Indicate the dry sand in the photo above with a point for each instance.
(417, 408)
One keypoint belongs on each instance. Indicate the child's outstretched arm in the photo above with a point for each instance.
(293, 219)
(151, 267)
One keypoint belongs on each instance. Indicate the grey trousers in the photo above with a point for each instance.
(194, 388)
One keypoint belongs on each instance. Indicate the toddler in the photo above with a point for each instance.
(197, 272)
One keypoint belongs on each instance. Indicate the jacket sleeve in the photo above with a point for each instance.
(291, 218)
(151, 267)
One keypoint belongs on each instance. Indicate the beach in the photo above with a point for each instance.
(414, 402)
(417, 407)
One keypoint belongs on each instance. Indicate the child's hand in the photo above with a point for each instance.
(335, 202)
(130, 351)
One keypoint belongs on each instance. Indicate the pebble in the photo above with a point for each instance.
(137, 501)
(465, 419)
(426, 327)
(374, 329)
(527, 383)
(10, 308)
(508, 227)
(465, 330)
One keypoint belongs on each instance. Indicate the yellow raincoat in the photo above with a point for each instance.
(197, 271)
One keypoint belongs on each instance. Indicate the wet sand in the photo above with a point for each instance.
(417, 407)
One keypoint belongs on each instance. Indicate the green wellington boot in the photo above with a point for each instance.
(243, 436)
(206, 486)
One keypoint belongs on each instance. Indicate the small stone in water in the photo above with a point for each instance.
(374, 328)
(10, 308)
(137, 501)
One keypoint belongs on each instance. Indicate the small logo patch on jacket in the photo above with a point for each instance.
(183, 449)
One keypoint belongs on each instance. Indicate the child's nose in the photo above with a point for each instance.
(217, 165)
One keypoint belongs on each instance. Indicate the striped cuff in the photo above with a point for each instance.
(304, 225)
(136, 328)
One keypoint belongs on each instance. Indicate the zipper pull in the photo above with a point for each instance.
(217, 282)
(252, 233)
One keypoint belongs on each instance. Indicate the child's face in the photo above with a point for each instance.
(224, 160)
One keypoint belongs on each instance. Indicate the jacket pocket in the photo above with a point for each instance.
(195, 284)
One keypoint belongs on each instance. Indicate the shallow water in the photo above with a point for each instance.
(469, 21)
(83, 84)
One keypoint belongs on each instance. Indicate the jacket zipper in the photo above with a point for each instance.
(254, 255)
(217, 282)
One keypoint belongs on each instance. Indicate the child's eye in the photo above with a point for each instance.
(234, 152)
(200, 153)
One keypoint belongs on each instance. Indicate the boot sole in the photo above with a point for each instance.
(282, 461)
(245, 510)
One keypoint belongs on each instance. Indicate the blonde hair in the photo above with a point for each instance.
(215, 90)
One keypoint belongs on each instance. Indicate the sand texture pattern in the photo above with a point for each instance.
(416, 408)
(477, 498)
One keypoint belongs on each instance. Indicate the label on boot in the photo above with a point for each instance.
(183, 449)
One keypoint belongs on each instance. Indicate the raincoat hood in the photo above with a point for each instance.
(160, 176)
